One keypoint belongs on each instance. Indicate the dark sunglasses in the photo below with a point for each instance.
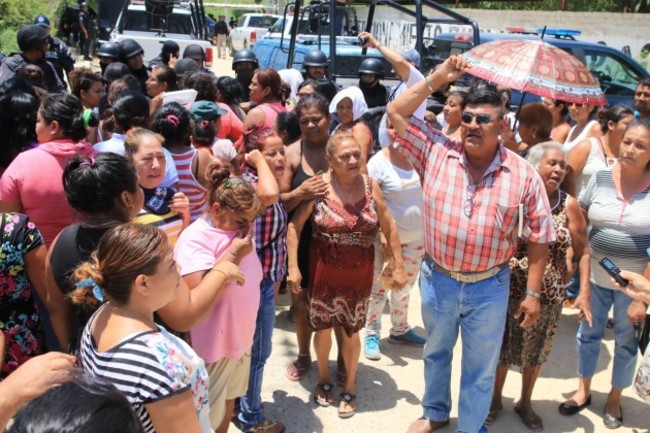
(481, 119)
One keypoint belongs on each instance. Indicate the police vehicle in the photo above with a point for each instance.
(152, 22)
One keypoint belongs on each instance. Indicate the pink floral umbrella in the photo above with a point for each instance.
(534, 66)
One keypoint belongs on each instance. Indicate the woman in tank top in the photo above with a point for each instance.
(597, 153)
(266, 92)
(585, 126)
(302, 181)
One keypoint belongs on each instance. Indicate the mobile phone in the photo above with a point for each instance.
(613, 271)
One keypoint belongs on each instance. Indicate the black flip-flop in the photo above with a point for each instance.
(326, 389)
(347, 398)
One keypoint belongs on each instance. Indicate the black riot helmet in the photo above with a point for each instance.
(130, 48)
(110, 50)
(244, 56)
(372, 65)
(314, 58)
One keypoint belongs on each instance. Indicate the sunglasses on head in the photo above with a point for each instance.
(481, 119)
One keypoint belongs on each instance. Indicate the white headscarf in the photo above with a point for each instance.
(355, 94)
(293, 78)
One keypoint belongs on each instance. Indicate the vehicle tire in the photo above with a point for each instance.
(232, 50)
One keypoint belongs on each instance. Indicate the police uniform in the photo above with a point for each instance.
(60, 56)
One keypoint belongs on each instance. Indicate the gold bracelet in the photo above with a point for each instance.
(225, 274)
(431, 89)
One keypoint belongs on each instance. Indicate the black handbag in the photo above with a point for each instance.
(644, 335)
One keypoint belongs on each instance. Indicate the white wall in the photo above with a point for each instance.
(616, 29)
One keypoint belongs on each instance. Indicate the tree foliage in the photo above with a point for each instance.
(16, 13)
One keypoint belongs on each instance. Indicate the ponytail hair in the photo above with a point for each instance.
(123, 253)
(92, 185)
(172, 121)
(67, 111)
(233, 193)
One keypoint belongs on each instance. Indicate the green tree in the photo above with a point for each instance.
(16, 13)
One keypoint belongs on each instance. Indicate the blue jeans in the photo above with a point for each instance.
(479, 311)
(626, 346)
(250, 405)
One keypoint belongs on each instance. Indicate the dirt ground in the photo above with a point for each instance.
(389, 390)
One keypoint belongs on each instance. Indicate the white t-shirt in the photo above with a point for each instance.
(414, 77)
(402, 192)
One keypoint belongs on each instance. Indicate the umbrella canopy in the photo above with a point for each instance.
(536, 67)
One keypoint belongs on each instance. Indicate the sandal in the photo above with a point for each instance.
(347, 399)
(492, 415)
(530, 419)
(299, 367)
(323, 394)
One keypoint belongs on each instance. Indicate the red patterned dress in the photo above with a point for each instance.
(341, 262)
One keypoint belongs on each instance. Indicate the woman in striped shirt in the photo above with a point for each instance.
(134, 272)
(617, 204)
(172, 122)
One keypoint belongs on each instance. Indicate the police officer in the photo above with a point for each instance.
(314, 65)
(58, 54)
(109, 52)
(133, 57)
(244, 63)
(33, 42)
(86, 30)
(371, 72)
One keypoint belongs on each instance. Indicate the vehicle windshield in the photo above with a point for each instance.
(141, 21)
(259, 21)
(277, 27)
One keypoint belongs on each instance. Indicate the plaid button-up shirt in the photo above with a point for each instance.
(472, 227)
(270, 235)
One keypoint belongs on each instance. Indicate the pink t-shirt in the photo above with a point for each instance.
(34, 180)
(228, 330)
(230, 125)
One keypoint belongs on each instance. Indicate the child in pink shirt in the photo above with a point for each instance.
(225, 337)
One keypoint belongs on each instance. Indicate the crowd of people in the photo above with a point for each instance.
(145, 241)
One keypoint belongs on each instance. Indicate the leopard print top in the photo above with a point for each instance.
(553, 284)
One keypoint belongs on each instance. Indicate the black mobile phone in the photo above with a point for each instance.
(613, 271)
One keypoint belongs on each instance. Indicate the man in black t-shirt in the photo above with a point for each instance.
(221, 32)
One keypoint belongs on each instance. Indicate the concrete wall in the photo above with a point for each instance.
(616, 29)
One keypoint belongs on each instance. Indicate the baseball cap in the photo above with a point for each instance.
(42, 20)
(412, 56)
(206, 110)
(31, 37)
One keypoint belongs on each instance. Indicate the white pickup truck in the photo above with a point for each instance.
(250, 27)
(152, 22)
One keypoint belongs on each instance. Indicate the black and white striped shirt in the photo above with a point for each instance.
(147, 367)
